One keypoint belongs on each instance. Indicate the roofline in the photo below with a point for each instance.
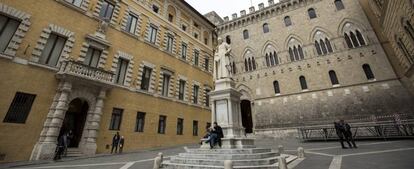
(198, 13)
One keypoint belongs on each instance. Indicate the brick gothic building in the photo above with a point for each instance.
(97, 67)
(307, 62)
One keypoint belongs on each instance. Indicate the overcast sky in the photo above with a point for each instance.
(225, 7)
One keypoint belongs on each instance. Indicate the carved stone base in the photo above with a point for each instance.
(237, 143)
(43, 151)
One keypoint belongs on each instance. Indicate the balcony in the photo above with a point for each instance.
(71, 70)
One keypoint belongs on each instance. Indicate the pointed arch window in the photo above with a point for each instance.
(287, 21)
(405, 51)
(250, 64)
(303, 83)
(333, 77)
(348, 41)
(368, 72)
(339, 5)
(409, 29)
(291, 55)
(318, 48)
(354, 39)
(253, 64)
(246, 34)
(266, 28)
(311, 13)
(301, 55)
(267, 60)
(276, 58)
(246, 67)
(328, 45)
(323, 47)
(360, 38)
(276, 87)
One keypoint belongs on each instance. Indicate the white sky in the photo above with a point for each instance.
(225, 7)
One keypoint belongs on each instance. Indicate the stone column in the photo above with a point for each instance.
(94, 119)
(45, 147)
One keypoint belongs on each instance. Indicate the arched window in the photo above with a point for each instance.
(348, 41)
(275, 58)
(287, 21)
(312, 13)
(405, 51)
(354, 40)
(234, 68)
(246, 34)
(295, 51)
(276, 87)
(303, 83)
(360, 38)
(228, 39)
(272, 59)
(250, 64)
(334, 78)
(291, 55)
(324, 50)
(267, 60)
(254, 64)
(301, 52)
(328, 45)
(265, 28)
(368, 72)
(246, 67)
(339, 5)
(318, 48)
(409, 29)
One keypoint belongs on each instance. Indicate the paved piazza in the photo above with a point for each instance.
(319, 155)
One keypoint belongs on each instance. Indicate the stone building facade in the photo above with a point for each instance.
(310, 62)
(142, 68)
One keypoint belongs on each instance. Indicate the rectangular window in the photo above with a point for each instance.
(146, 77)
(19, 108)
(131, 25)
(206, 61)
(116, 119)
(184, 28)
(165, 84)
(161, 124)
(184, 51)
(140, 122)
(196, 56)
(170, 18)
(106, 10)
(195, 128)
(181, 90)
(8, 27)
(77, 3)
(206, 41)
(207, 103)
(53, 49)
(155, 8)
(92, 57)
(121, 71)
(153, 34)
(196, 35)
(180, 126)
(195, 92)
(170, 43)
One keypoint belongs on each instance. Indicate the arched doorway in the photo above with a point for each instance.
(75, 121)
(246, 112)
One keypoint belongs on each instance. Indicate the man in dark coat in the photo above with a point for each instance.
(348, 134)
(115, 142)
(219, 133)
(340, 132)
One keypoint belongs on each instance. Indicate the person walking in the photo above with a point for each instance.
(218, 131)
(348, 134)
(340, 132)
(121, 144)
(59, 148)
(115, 141)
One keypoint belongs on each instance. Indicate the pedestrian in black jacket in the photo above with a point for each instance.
(348, 134)
(219, 132)
(115, 142)
(340, 132)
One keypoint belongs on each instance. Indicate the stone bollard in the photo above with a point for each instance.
(301, 152)
(157, 162)
(282, 162)
(280, 149)
(228, 164)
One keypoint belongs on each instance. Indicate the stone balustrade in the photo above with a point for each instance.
(84, 71)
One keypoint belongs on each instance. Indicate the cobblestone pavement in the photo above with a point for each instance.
(319, 155)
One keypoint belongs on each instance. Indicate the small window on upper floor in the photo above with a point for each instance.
(368, 72)
(170, 18)
(266, 28)
(196, 35)
(155, 8)
(228, 39)
(8, 26)
(339, 5)
(206, 41)
(77, 3)
(303, 83)
(287, 21)
(107, 10)
(245, 34)
(312, 13)
(184, 28)
(195, 25)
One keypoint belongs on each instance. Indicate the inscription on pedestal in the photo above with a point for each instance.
(222, 116)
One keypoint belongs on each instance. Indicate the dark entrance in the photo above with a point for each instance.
(75, 121)
(247, 119)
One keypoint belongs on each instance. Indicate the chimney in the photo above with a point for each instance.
(261, 6)
(242, 12)
(271, 2)
(234, 16)
(251, 9)
(226, 19)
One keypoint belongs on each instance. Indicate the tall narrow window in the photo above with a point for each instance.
(265, 28)
(368, 72)
(161, 124)
(324, 50)
(195, 128)
(195, 94)
(328, 45)
(170, 18)
(287, 21)
(180, 126)
(354, 40)
(276, 58)
(303, 83)
(360, 38)
(254, 64)
(170, 43)
(333, 77)
(165, 84)
(234, 68)
(206, 63)
(302, 56)
(267, 60)
(246, 66)
(348, 41)
(8, 27)
(276, 87)
(153, 31)
(53, 49)
(228, 39)
(184, 51)
(107, 9)
(19, 108)
(116, 119)
(146, 77)
(140, 122)
(207, 99)
(181, 90)
(404, 50)
(318, 48)
(196, 57)
(339, 5)
(131, 25)
(92, 57)
(77, 3)
(246, 34)
(295, 51)
(272, 60)
(409, 29)
(312, 13)
(121, 71)
(292, 57)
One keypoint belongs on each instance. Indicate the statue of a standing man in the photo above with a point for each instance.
(222, 68)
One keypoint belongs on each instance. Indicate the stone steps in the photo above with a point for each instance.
(229, 151)
(73, 152)
(229, 156)
(219, 162)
